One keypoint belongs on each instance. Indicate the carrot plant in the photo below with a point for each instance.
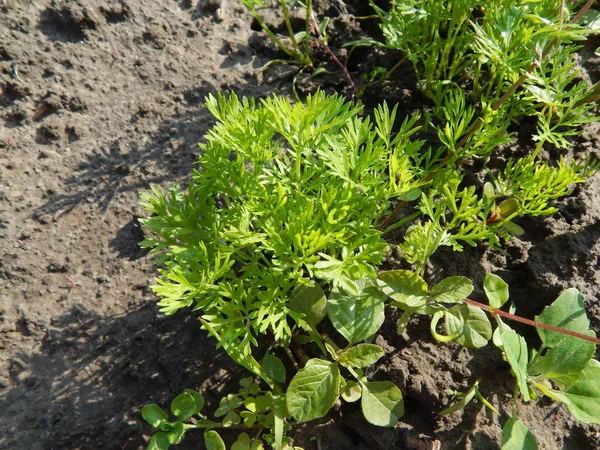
(283, 225)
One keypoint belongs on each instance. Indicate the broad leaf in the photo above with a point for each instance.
(564, 362)
(313, 390)
(568, 312)
(274, 368)
(515, 350)
(213, 441)
(355, 317)
(451, 290)
(583, 397)
(404, 286)
(476, 330)
(310, 301)
(516, 436)
(183, 406)
(154, 415)
(361, 355)
(197, 397)
(496, 290)
(382, 403)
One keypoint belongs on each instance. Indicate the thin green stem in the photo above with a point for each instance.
(288, 24)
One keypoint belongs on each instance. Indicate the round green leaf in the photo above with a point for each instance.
(274, 368)
(154, 415)
(382, 403)
(496, 290)
(213, 441)
(183, 406)
(310, 301)
(313, 390)
(160, 441)
(351, 391)
(404, 286)
(451, 290)
(356, 317)
(475, 331)
(361, 355)
(197, 397)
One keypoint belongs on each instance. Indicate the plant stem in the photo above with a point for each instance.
(533, 323)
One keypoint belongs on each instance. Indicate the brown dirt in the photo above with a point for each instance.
(99, 99)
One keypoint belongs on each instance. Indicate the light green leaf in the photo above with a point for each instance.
(583, 397)
(154, 415)
(382, 403)
(361, 355)
(351, 391)
(160, 441)
(515, 350)
(404, 286)
(231, 418)
(496, 290)
(355, 317)
(564, 362)
(310, 301)
(568, 312)
(176, 435)
(475, 331)
(274, 368)
(451, 290)
(313, 390)
(279, 415)
(183, 406)
(213, 441)
(516, 436)
(464, 401)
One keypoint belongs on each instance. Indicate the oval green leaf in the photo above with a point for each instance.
(310, 301)
(451, 290)
(496, 290)
(274, 368)
(199, 399)
(351, 391)
(313, 390)
(404, 286)
(475, 331)
(382, 403)
(160, 441)
(361, 355)
(213, 441)
(183, 406)
(154, 415)
(356, 317)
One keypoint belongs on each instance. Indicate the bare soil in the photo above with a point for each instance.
(98, 100)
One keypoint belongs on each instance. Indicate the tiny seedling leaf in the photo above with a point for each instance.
(382, 403)
(516, 436)
(404, 286)
(154, 415)
(451, 290)
(351, 391)
(496, 290)
(313, 390)
(213, 441)
(160, 441)
(361, 355)
(183, 406)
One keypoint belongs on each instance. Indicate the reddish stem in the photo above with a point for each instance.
(532, 322)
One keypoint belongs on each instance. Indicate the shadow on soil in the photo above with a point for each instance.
(103, 370)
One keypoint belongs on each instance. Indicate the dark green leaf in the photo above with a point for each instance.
(213, 441)
(183, 406)
(176, 435)
(274, 368)
(355, 317)
(471, 323)
(197, 397)
(451, 290)
(160, 441)
(310, 301)
(154, 415)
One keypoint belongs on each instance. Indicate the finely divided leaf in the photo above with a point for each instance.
(451, 290)
(382, 403)
(361, 355)
(516, 436)
(313, 390)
